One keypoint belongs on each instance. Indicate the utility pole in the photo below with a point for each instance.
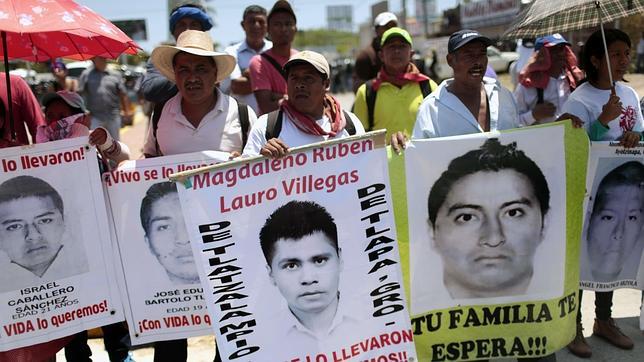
(403, 21)
(425, 19)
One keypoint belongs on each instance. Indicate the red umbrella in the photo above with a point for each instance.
(38, 30)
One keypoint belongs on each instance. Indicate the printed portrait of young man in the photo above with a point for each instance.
(33, 234)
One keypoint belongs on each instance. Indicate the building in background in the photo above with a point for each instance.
(339, 17)
(489, 17)
(427, 16)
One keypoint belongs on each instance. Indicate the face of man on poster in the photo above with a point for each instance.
(31, 223)
(486, 219)
(304, 262)
(616, 224)
(165, 233)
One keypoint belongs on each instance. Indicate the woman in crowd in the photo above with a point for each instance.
(609, 112)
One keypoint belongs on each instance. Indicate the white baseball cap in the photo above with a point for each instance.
(385, 18)
(317, 60)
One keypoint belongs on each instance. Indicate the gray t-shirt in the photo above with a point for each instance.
(102, 91)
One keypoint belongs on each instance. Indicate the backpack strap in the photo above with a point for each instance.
(242, 112)
(156, 116)
(274, 124)
(539, 95)
(425, 88)
(370, 97)
(349, 126)
(275, 64)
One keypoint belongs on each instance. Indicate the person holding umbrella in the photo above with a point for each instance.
(609, 112)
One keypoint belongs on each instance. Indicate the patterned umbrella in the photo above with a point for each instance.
(38, 30)
(544, 17)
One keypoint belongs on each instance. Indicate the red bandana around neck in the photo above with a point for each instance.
(412, 74)
(307, 124)
(536, 73)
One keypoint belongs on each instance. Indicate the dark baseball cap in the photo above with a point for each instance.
(281, 6)
(462, 37)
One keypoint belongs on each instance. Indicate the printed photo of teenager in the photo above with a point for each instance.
(491, 221)
(614, 234)
(33, 235)
(166, 235)
(304, 261)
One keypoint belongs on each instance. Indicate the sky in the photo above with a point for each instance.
(310, 14)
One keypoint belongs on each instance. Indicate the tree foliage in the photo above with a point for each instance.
(344, 42)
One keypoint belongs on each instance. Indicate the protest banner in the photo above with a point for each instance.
(56, 266)
(613, 233)
(158, 277)
(300, 255)
(489, 240)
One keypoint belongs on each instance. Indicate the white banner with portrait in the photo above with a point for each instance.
(161, 291)
(299, 255)
(487, 218)
(613, 233)
(494, 231)
(56, 267)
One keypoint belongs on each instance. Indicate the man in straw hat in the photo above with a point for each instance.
(200, 117)
(308, 115)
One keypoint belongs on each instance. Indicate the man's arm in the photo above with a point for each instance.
(150, 143)
(29, 107)
(155, 87)
(241, 85)
(125, 108)
(126, 111)
(267, 101)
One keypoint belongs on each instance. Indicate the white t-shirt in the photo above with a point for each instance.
(291, 135)
(219, 130)
(586, 102)
(556, 92)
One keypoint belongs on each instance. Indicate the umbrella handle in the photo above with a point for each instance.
(601, 27)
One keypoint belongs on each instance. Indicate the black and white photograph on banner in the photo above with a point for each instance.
(486, 216)
(301, 250)
(161, 290)
(165, 233)
(613, 237)
(56, 266)
(34, 235)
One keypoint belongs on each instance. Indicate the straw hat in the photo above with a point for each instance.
(193, 42)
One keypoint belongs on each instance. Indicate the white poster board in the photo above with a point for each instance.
(161, 291)
(299, 255)
(613, 233)
(56, 270)
(493, 234)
